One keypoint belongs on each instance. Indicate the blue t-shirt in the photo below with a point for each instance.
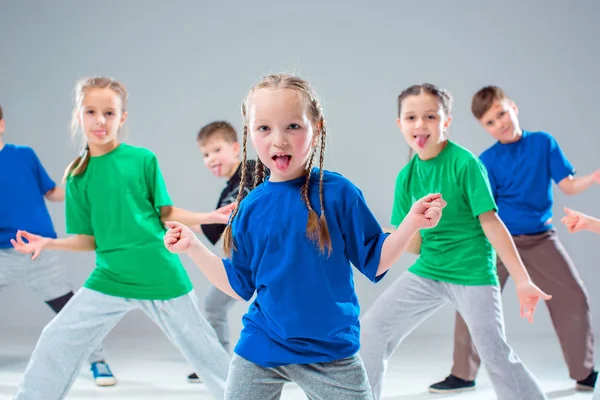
(23, 184)
(521, 175)
(306, 309)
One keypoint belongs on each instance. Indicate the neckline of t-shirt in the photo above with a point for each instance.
(292, 183)
(112, 152)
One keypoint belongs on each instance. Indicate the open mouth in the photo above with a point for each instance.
(216, 169)
(421, 140)
(282, 161)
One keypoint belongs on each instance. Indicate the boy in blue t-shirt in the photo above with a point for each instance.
(521, 166)
(25, 185)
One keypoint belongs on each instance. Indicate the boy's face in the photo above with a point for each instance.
(501, 121)
(1, 126)
(220, 156)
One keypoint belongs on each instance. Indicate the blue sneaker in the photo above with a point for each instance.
(102, 374)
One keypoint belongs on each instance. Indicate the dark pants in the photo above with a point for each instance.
(550, 268)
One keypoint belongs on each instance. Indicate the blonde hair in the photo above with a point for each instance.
(316, 227)
(79, 165)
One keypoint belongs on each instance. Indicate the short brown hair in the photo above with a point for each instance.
(223, 128)
(1, 114)
(484, 98)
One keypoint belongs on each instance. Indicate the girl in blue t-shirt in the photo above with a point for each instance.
(291, 242)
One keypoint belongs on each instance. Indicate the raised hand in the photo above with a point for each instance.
(575, 221)
(34, 245)
(427, 211)
(178, 238)
(221, 215)
(529, 295)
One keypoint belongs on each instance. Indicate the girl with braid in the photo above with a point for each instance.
(291, 241)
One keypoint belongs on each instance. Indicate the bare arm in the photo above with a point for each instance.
(55, 194)
(574, 185)
(35, 244)
(415, 244)
(190, 218)
(212, 266)
(500, 238)
(395, 245)
(72, 243)
(594, 225)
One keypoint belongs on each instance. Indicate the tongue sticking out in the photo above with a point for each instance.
(421, 140)
(282, 162)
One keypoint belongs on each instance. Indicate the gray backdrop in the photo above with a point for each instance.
(188, 63)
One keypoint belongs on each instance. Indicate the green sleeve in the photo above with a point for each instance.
(402, 202)
(477, 188)
(77, 211)
(156, 185)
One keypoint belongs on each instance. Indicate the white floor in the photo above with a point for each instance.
(150, 368)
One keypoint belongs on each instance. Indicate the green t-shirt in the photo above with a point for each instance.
(456, 250)
(117, 200)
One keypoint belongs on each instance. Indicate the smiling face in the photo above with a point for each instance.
(282, 131)
(423, 123)
(501, 121)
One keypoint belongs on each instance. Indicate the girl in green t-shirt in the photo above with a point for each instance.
(116, 200)
(457, 257)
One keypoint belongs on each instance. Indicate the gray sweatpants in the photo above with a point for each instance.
(216, 306)
(46, 276)
(411, 299)
(338, 380)
(89, 316)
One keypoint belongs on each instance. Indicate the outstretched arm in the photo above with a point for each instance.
(35, 243)
(55, 194)
(180, 239)
(577, 221)
(527, 292)
(425, 213)
(189, 218)
(574, 185)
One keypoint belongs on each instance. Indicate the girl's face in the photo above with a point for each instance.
(281, 131)
(100, 118)
(423, 123)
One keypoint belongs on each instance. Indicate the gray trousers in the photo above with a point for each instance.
(216, 306)
(338, 380)
(46, 276)
(411, 299)
(90, 315)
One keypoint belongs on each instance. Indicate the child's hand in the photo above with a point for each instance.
(427, 211)
(575, 221)
(179, 238)
(597, 175)
(221, 215)
(529, 295)
(35, 243)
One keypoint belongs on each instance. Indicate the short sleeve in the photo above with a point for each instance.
(45, 183)
(363, 239)
(491, 178)
(560, 167)
(156, 185)
(477, 188)
(77, 211)
(239, 272)
(402, 203)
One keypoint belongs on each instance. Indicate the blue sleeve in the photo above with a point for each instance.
(45, 183)
(363, 239)
(560, 167)
(239, 272)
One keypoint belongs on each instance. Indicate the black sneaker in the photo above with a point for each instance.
(452, 384)
(587, 385)
(194, 378)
